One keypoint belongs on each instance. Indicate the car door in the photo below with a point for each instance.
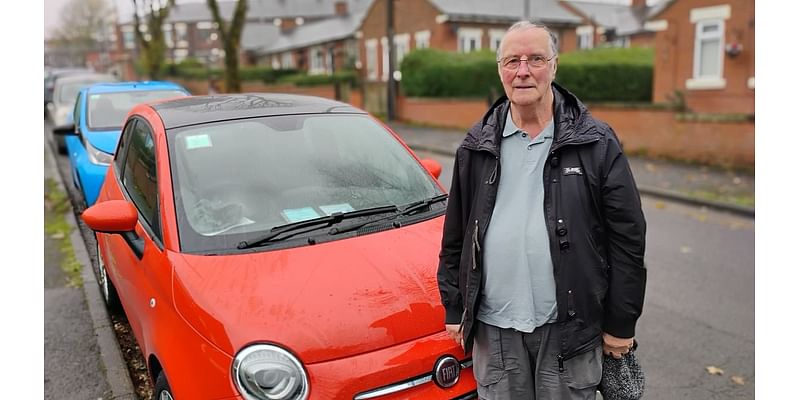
(141, 267)
(73, 142)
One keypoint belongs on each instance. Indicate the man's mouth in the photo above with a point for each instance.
(523, 87)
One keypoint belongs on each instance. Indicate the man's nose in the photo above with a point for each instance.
(524, 69)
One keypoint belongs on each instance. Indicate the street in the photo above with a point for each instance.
(699, 307)
(700, 300)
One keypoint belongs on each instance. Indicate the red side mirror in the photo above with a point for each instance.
(113, 216)
(432, 166)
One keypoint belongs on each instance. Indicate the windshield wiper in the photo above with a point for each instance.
(407, 210)
(297, 227)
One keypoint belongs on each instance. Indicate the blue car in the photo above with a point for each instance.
(100, 110)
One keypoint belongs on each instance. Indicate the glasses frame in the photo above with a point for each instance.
(527, 60)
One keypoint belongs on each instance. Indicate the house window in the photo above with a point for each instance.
(469, 39)
(180, 55)
(422, 39)
(372, 59)
(385, 60)
(180, 35)
(276, 62)
(709, 42)
(402, 45)
(317, 57)
(495, 37)
(585, 36)
(167, 29)
(128, 37)
(287, 61)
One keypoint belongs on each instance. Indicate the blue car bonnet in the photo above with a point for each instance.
(105, 141)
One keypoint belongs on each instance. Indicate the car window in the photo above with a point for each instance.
(107, 111)
(122, 149)
(237, 177)
(76, 111)
(68, 90)
(139, 175)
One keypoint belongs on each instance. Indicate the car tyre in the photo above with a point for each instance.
(110, 294)
(162, 390)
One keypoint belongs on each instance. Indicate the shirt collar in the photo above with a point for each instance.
(512, 128)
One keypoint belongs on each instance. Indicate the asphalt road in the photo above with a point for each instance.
(700, 301)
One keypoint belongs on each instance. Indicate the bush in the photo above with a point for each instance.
(348, 77)
(607, 74)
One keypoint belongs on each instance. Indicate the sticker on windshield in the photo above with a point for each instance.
(333, 208)
(198, 142)
(299, 214)
(94, 97)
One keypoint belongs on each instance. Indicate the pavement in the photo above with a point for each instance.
(82, 359)
(705, 186)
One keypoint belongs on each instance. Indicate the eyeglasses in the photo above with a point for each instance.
(512, 63)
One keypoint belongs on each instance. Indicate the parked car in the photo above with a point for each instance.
(268, 246)
(98, 115)
(60, 109)
(50, 76)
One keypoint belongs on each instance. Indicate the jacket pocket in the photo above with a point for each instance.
(584, 370)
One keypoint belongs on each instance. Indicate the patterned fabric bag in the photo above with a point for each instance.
(623, 379)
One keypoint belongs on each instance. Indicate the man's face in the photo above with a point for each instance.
(525, 85)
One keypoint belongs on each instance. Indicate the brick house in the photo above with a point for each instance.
(705, 50)
(610, 24)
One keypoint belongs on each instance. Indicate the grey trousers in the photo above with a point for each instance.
(512, 365)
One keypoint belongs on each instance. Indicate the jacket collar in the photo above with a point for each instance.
(569, 117)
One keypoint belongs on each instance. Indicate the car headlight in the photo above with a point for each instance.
(267, 372)
(96, 156)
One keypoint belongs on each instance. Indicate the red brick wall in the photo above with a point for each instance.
(675, 56)
(650, 132)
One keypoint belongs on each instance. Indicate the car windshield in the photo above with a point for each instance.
(237, 178)
(68, 91)
(108, 110)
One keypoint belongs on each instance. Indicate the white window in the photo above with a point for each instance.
(180, 55)
(317, 57)
(469, 39)
(495, 37)
(167, 29)
(287, 61)
(585, 36)
(709, 47)
(422, 39)
(385, 61)
(128, 37)
(372, 58)
(276, 63)
(402, 45)
(180, 35)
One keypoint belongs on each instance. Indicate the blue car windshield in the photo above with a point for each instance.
(234, 179)
(107, 111)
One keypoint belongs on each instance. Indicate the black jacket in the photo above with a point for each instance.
(594, 222)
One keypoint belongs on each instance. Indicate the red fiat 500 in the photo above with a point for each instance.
(276, 247)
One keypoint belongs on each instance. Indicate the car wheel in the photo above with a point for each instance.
(163, 392)
(107, 287)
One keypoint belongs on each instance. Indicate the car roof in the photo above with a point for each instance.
(195, 110)
(114, 87)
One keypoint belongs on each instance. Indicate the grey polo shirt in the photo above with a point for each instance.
(519, 289)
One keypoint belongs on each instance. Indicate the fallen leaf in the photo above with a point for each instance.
(714, 370)
(57, 235)
(739, 380)
(650, 167)
(660, 204)
(701, 217)
(687, 250)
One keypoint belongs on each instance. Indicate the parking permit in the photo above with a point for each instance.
(198, 142)
(299, 214)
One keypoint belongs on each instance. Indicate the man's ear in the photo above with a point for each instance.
(555, 66)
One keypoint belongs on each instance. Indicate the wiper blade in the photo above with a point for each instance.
(407, 210)
(296, 228)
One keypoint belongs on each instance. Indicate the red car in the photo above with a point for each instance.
(269, 246)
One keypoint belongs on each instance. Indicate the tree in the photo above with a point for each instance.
(85, 26)
(151, 44)
(231, 37)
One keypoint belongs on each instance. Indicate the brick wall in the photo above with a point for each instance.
(656, 133)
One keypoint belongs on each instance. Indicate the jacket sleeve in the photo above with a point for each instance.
(450, 254)
(625, 229)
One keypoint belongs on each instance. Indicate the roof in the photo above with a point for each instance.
(624, 18)
(258, 10)
(656, 9)
(255, 35)
(204, 109)
(505, 11)
(133, 86)
(328, 30)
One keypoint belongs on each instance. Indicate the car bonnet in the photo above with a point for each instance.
(105, 141)
(322, 302)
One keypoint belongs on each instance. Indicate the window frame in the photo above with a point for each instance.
(422, 39)
(700, 38)
(371, 49)
(469, 34)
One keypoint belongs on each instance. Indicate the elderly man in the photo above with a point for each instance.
(542, 262)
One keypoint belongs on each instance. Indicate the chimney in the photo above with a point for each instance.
(340, 8)
(638, 3)
(286, 24)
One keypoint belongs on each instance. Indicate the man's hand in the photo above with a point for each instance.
(616, 347)
(454, 331)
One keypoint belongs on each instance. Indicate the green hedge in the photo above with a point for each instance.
(605, 74)
(347, 77)
(195, 70)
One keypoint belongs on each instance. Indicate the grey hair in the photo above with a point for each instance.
(523, 25)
